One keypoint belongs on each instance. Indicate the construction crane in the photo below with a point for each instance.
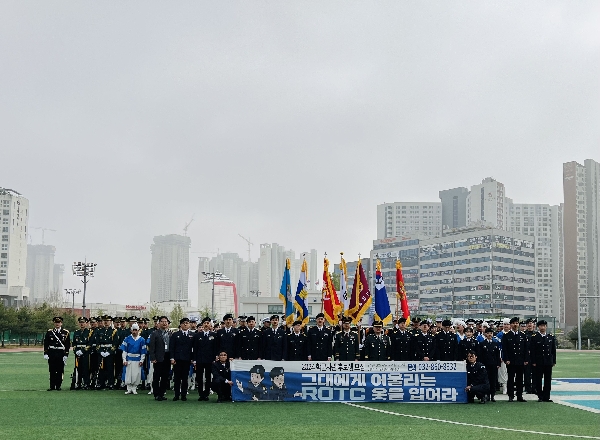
(187, 225)
(43, 231)
(250, 244)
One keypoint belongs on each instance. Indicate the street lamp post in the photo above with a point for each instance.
(73, 292)
(212, 276)
(85, 270)
(256, 293)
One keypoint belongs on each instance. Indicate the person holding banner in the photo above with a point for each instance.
(346, 343)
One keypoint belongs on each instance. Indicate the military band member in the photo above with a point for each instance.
(424, 344)
(249, 340)
(226, 336)
(297, 343)
(320, 341)
(490, 358)
(105, 343)
(402, 342)
(377, 345)
(56, 351)
(515, 348)
(204, 354)
(274, 342)
(346, 346)
(543, 358)
(81, 349)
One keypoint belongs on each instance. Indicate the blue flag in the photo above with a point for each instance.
(382, 303)
(285, 294)
(302, 295)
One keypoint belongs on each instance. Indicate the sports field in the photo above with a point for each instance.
(29, 411)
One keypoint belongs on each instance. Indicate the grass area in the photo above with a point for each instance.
(577, 364)
(27, 411)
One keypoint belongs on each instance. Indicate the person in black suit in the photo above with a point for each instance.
(226, 337)
(543, 358)
(248, 341)
(181, 357)
(424, 344)
(159, 355)
(467, 344)
(274, 342)
(320, 341)
(297, 344)
(446, 344)
(490, 357)
(515, 348)
(221, 383)
(402, 342)
(204, 354)
(346, 346)
(477, 379)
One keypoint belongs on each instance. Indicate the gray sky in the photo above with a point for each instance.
(286, 122)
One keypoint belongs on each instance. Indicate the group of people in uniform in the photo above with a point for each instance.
(510, 355)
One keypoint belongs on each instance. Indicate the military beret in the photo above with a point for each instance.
(297, 323)
(542, 322)
(446, 323)
(250, 318)
(513, 320)
(258, 369)
(183, 320)
(227, 316)
(320, 315)
(274, 317)
(205, 319)
(277, 371)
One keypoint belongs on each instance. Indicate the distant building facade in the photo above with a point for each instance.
(170, 268)
(409, 218)
(487, 203)
(454, 207)
(40, 273)
(225, 295)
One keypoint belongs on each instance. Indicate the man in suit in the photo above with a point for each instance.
(221, 383)
(320, 341)
(56, 350)
(346, 346)
(160, 356)
(515, 348)
(543, 358)
(402, 341)
(226, 336)
(297, 344)
(490, 358)
(274, 342)
(181, 357)
(248, 340)
(446, 344)
(377, 345)
(424, 344)
(204, 354)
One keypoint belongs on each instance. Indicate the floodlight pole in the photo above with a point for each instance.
(84, 270)
(72, 292)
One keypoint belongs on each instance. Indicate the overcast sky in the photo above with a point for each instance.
(286, 122)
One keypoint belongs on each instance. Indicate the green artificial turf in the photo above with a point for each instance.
(28, 411)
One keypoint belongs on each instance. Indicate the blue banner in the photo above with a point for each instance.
(410, 382)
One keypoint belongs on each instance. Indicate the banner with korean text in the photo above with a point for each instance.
(409, 382)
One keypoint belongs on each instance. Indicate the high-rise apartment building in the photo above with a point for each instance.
(544, 222)
(401, 219)
(486, 203)
(581, 232)
(14, 217)
(170, 268)
(59, 270)
(40, 272)
(454, 207)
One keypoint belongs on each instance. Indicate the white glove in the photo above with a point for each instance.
(360, 346)
(65, 359)
(79, 352)
(46, 357)
(104, 354)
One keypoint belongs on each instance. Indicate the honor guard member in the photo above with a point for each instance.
(96, 328)
(346, 346)
(489, 356)
(105, 344)
(543, 358)
(446, 345)
(274, 342)
(204, 354)
(528, 373)
(320, 341)
(424, 344)
(297, 344)
(81, 349)
(477, 379)
(248, 340)
(377, 345)
(515, 348)
(56, 351)
(402, 348)
(180, 348)
(469, 343)
(226, 336)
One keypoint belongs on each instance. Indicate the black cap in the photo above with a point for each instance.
(274, 317)
(227, 316)
(320, 315)
(542, 322)
(469, 329)
(277, 371)
(250, 318)
(107, 318)
(242, 318)
(446, 323)
(346, 320)
(258, 369)
(401, 320)
(424, 322)
(513, 320)
(182, 320)
(133, 319)
(297, 323)
(57, 319)
(488, 330)
(206, 319)
(377, 323)
(82, 319)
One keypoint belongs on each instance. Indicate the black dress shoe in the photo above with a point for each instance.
(520, 399)
(184, 399)
(511, 399)
(549, 400)
(492, 399)
(175, 399)
(206, 398)
(58, 389)
(540, 400)
(200, 399)
(50, 389)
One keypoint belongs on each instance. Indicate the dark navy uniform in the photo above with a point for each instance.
(56, 348)
(528, 373)
(81, 344)
(204, 352)
(105, 343)
(446, 346)
(466, 345)
(274, 344)
(297, 347)
(515, 349)
(248, 344)
(377, 347)
(477, 379)
(180, 348)
(346, 347)
(403, 342)
(221, 374)
(543, 358)
(320, 343)
(424, 347)
(489, 356)
(226, 341)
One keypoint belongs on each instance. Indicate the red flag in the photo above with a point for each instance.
(331, 302)
(361, 299)
(401, 292)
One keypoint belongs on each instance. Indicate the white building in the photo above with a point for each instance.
(487, 203)
(409, 218)
(225, 295)
(59, 270)
(544, 222)
(170, 268)
(14, 217)
(40, 273)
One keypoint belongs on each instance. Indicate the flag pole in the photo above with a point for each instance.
(397, 294)
(323, 288)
